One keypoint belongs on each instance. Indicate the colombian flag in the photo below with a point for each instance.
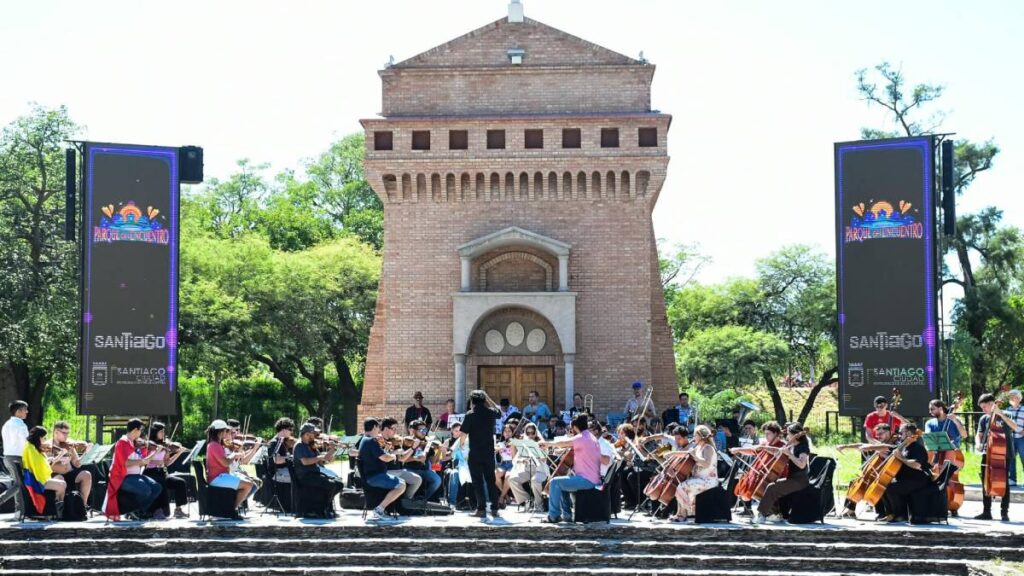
(37, 472)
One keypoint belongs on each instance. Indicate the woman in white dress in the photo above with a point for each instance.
(704, 475)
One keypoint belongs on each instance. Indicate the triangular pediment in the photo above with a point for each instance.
(511, 236)
(543, 45)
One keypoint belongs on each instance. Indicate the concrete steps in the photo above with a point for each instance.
(408, 549)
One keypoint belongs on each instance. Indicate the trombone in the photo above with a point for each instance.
(588, 404)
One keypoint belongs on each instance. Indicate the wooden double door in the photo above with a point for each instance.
(516, 383)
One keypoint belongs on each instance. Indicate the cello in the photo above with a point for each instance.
(887, 471)
(777, 467)
(759, 468)
(662, 488)
(871, 468)
(996, 460)
(954, 489)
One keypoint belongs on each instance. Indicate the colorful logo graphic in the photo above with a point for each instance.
(129, 224)
(883, 220)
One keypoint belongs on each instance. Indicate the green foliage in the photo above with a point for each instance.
(38, 285)
(725, 356)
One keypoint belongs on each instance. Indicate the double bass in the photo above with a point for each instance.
(938, 459)
(996, 456)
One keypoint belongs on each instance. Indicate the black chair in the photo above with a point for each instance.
(310, 501)
(595, 504)
(214, 502)
(815, 501)
(50, 512)
(372, 496)
(930, 504)
(712, 506)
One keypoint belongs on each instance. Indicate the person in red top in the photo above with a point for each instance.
(144, 489)
(881, 415)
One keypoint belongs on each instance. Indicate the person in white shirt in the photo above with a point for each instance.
(15, 435)
(608, 454)
(506, 409)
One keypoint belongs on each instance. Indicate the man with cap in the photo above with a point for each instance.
(633, 408)
(417, 411)
(881, 415)
(308, 463)
(1015, 412)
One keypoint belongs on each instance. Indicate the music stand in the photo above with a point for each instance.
(937, 442)
(193, 453)
(532, 451)
(95, 454)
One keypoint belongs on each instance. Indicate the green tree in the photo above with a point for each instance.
(979, 245)
(38, 286)
(342, 193)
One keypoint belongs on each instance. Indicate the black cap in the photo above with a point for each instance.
(881, 400)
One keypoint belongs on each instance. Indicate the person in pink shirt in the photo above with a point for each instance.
(587, 462)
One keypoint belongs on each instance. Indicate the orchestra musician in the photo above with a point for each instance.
(914, 475)
(69, 466)
(478, 426)
(219, 464)
(279, 450)
(449, 410)
(38, 476)
(1015, 411)
(587, 462)
(528, 469)
(882, 413)
(374, 460)
(458, 455)
(126, 474)
(503, 450)
(704, 475)
(772, 439)
(164, 455)
(883, 437)
(396, 444)
(421, 456)
(507, 410)
(797, 450)
(536, 411)
(941, 421)
(994, 417)
(308, 463)
(633, 407)
(575, 410)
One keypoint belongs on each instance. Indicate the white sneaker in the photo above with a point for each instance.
(775, 518)
(757, 518)
(381, 515)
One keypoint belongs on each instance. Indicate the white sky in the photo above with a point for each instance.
(759, 91)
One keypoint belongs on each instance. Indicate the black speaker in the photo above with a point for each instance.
(948, 193)
(190, 164)
(70, 184)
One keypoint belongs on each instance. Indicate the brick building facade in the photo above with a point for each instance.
(518, 167)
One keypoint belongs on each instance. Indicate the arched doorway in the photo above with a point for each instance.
(513, 351)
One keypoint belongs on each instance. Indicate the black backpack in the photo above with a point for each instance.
(74, 508)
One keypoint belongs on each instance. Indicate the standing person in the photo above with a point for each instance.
(797, 450)
(478, 426)
(914, 475)
(704, 476)
(536, 411)
(1016, 413)
(633, 407)
(941, 421)
(15, 434)
(373, 461)
(586, 466)
(881, 414)
(681, 414)
(993, 417)
(449, 410)
(126, 474)
(417, 411)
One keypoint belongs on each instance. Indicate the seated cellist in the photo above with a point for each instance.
(797, 450)
(914, 475)
(883, 436)
(772, 438)
(703, 478)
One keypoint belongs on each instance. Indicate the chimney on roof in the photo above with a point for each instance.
(515, 11)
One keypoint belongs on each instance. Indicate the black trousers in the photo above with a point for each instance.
(634, 480)
(173, 485)
(482, 474)
(776, 490)
(331, 486)
(898, 494)
(986, 500)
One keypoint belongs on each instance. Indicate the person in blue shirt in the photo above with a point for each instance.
(941, 421)
(536, 411)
